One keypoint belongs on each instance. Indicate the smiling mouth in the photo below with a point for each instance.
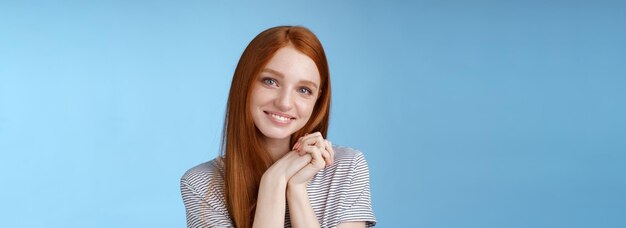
(280, 117)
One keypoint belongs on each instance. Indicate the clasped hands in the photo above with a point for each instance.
(309, 155)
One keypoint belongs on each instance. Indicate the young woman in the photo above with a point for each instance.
(276, 168)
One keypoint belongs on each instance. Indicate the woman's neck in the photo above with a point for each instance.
(276, 147)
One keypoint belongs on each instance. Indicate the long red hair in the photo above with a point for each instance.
(245, 158)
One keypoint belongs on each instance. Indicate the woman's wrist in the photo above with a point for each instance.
(274, 176)
(271, 201)
(293, 188)
(300, 210)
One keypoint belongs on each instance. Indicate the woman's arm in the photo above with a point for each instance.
(270, 208)
(300, 210)
(289, 176)
(322, 154)
(351, 225)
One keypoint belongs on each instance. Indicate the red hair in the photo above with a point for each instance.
(245, 158)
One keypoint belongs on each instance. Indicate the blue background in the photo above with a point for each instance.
(470, 114)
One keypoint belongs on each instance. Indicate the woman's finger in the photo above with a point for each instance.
(311, 139)
(298, 143)
(316, 154)
(325, 152)
(329, 148)
(309, 136)
(327, 158)
(317, 141)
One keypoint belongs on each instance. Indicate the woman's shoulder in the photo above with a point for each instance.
(341, 191)
(201, 174)
(347, 155)
(347, 162)
(208, 167)
(201, 188)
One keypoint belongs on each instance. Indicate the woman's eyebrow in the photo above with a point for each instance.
(310, 83)
(274, 72)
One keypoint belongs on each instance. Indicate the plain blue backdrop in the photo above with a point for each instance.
(470, 113)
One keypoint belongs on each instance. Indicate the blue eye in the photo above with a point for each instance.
(305, 90)
(270, 81)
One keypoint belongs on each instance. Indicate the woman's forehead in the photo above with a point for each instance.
(293, 65)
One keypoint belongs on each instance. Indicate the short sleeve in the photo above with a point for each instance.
(202, 202)
(357, 205)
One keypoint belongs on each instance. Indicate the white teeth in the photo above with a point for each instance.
(279, 117)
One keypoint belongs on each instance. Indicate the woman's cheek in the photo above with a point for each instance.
(305, 108)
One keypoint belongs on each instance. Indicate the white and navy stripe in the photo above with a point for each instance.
(338, 193)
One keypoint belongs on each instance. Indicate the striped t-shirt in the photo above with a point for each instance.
(338, 193)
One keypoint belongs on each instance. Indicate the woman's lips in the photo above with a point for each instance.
(278, 118)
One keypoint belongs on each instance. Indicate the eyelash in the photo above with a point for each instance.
(269, 81)
(273, 82)
(307, 90)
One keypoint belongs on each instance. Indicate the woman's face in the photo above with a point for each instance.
(284, 94)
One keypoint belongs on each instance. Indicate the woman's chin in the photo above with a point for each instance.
(276, 135)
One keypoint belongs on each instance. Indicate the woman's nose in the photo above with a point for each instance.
(284, 100)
